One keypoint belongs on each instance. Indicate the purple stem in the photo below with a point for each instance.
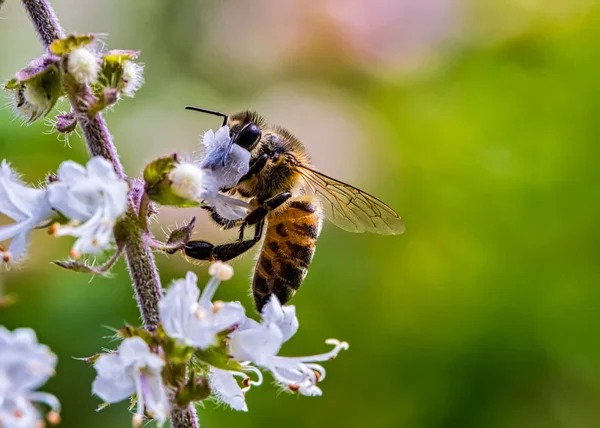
(142, 267)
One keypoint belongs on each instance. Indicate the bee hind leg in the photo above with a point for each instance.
(202, 250)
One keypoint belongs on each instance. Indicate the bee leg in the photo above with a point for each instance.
(225, 223)
(255, 168)
(202, 250)
(261, 212)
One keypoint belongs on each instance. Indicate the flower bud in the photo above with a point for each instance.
(83, 65)
(66, 123)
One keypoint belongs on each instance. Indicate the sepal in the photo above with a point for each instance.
(196, 389)
(36, 88)
(180, 237)
(68, 44)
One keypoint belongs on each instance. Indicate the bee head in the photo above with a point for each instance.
(244, 128)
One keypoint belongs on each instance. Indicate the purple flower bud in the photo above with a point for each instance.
(66, 123)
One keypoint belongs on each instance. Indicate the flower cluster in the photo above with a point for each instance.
(75, 60)
(219, 341)
(25, 365)
(92, 198)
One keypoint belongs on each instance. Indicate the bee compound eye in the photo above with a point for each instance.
(249, 136)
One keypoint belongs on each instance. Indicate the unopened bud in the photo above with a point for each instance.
(83, 65)
(186, 180)
(66, 123)
(221, 271)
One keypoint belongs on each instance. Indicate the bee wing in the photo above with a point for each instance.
(350, 208)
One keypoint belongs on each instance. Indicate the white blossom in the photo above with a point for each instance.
(192, 318)
(186, 181)
(29, 208)
(83, 65)
(223, 171)
(260, 344)
(25, 365)
(93, 198)
(133, 369)
(133, 76)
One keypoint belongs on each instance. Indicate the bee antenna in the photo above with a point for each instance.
(214, 113)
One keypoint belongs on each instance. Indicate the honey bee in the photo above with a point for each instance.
(291, 199)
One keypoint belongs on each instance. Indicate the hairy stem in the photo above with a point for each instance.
(135, 236)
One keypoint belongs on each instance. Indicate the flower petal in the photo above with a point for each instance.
(257, 345)
(226, 389)
(282, 316)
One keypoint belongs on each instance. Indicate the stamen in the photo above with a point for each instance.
(6, 257)
(294, 388)
(53, 228)
(257, 372)
(217, 305)
(221, 271)
(137, 421)
(74, 253)
(200, 313)
(46, 398)
(319, 371)
(138, 418)
(53, 418)
(209, 292)
(338, 346)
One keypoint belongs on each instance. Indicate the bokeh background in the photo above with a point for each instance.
(476, 120)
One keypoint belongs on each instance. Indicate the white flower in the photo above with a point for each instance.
(226, 389)
(24, 366)
(26, 205)
(260, 343)
(133, 76)
(186, 181)
(223, 175)
(192, 318)
(133, 369)
(93, 198)
(83, 65)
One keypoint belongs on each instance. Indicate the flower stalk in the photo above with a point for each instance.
(134, 237)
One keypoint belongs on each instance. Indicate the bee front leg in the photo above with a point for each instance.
(261, 212)
(202, 250)
(255, 168)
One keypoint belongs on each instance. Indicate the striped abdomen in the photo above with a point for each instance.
(287, 251)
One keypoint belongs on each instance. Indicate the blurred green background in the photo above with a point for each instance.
(476, 120)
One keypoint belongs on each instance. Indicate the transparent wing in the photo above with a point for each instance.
(350, 208)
